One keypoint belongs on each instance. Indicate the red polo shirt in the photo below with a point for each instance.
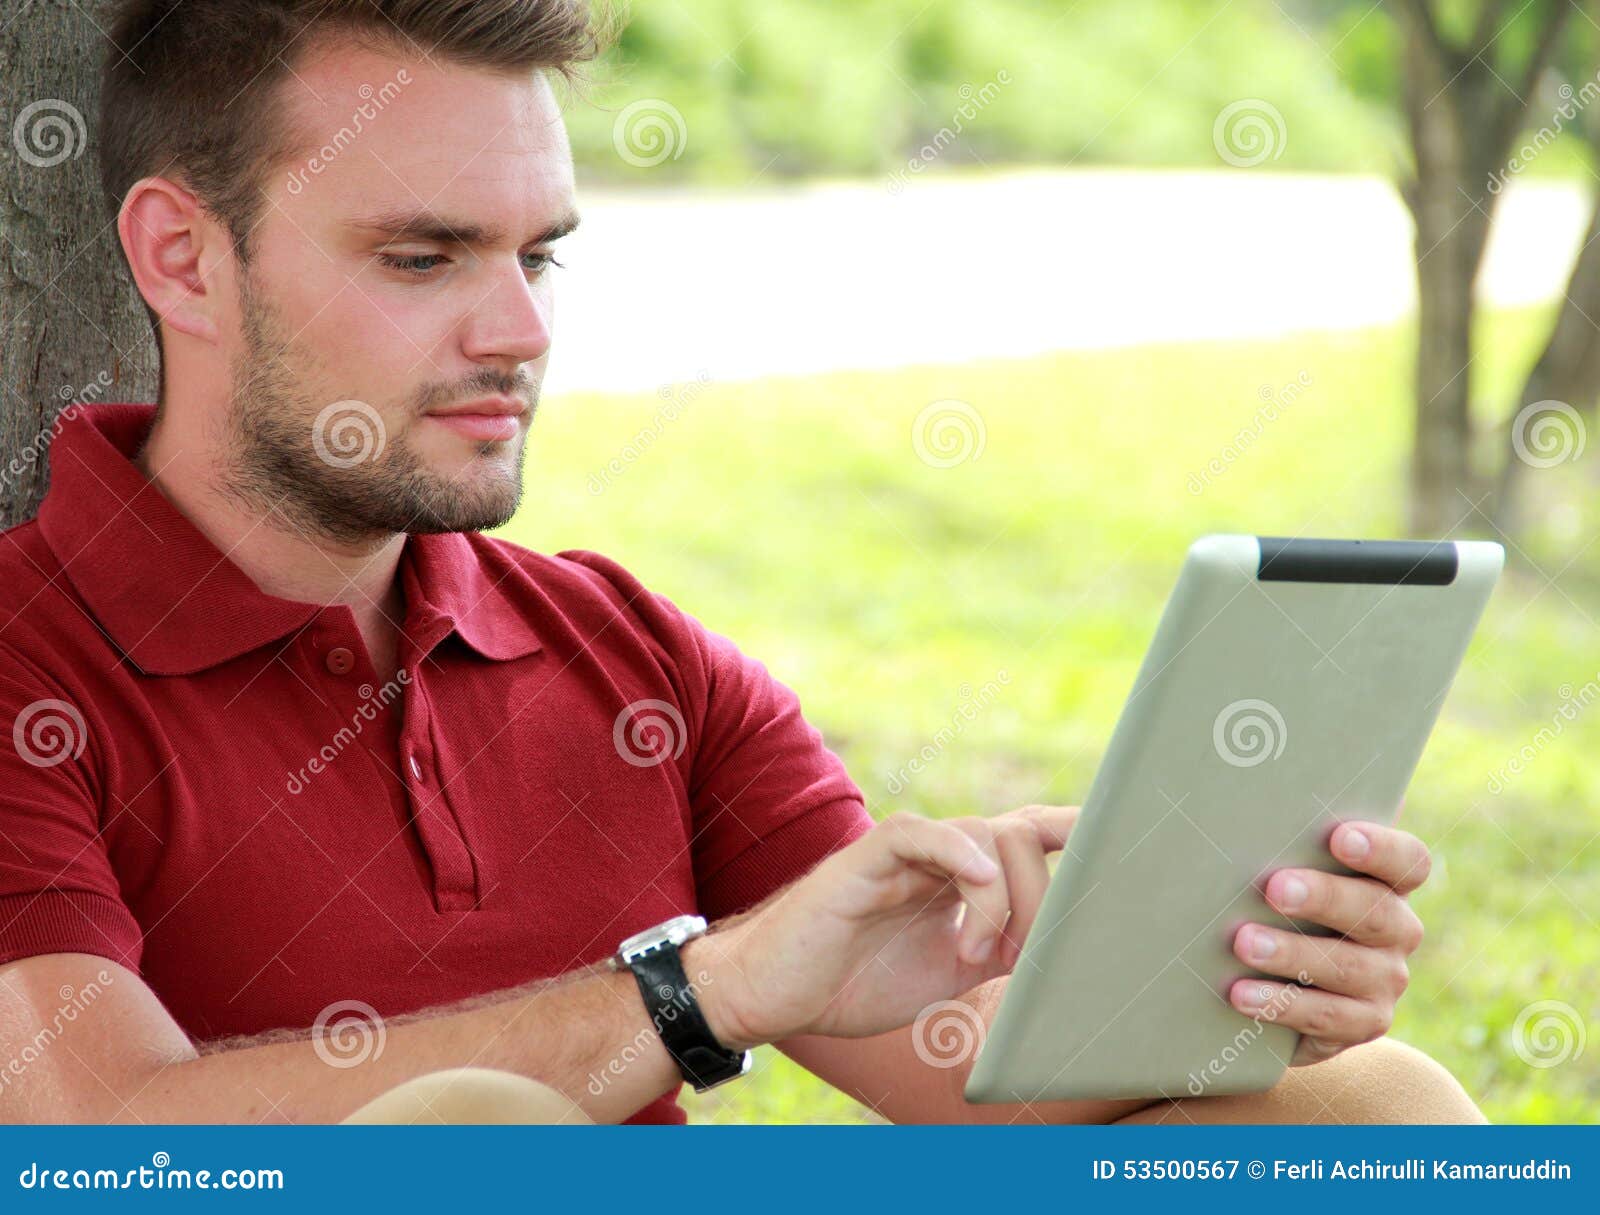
(214, 788)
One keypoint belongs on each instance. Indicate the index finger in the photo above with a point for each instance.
(1053, 824)
(1396, 858)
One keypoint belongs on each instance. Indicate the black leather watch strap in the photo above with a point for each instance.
(674, 1010)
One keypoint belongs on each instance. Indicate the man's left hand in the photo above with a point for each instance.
(1354, 978)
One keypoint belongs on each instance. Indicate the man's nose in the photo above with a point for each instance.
(511, 321)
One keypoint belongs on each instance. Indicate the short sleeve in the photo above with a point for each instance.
(769, 799)
(58, 892)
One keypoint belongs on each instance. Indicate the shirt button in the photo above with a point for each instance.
(340, 660)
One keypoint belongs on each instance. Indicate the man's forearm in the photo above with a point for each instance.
(907, 1080)
(587, 1036)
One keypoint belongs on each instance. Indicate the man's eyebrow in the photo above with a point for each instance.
(442, 229)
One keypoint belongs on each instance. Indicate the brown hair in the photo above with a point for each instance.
(187, 86)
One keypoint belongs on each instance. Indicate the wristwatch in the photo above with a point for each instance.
(674, 1008)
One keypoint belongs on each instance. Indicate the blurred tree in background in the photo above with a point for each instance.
(1489, 89)
(1440, 94)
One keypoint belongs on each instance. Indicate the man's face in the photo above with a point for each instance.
(395, 316)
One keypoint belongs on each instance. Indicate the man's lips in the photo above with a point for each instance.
(486, 420)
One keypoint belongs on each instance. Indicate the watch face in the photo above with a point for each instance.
(674, 931)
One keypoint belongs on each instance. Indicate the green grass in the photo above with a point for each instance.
(796, 516)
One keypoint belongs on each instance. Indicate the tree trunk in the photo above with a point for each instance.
(1452, 231)
(1566, 371)
(71, 323)
(1463, 120)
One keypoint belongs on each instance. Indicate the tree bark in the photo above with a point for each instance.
(1567, 370)
(1463, 119)
(72, 327)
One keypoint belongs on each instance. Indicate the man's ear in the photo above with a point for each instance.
(174, 248)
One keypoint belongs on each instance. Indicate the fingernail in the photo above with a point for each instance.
(982, 950)
(1356, 844)
(1252, 996)
(981, 868)
(1292, 893)
(1259, 945)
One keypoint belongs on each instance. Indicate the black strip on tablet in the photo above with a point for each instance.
(1390, 562)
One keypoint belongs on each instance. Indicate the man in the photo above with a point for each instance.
(322, 806)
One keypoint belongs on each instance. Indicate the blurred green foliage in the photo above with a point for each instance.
(770, 89)
(781, 88)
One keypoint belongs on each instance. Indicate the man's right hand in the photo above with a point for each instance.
(913, 912)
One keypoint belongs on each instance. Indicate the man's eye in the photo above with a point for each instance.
(412, 263)
(419, 264)
(542, 261)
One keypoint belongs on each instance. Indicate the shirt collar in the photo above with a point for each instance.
(175, 604)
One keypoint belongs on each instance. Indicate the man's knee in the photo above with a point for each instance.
(469, 1095)
(1384, 1081)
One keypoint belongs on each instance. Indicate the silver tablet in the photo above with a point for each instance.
(1291, 686)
